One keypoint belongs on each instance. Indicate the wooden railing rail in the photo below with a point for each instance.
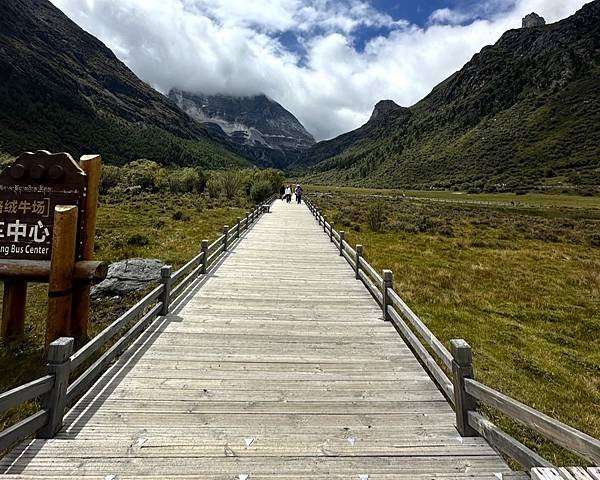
(55, 390)
(24, 393)
(453, 372)
(561, 434)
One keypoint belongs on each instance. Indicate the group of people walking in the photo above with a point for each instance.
(287, 194)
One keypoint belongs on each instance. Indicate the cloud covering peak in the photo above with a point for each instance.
(327, 61)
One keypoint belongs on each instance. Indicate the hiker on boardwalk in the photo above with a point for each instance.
(298, 194)
(288, 194)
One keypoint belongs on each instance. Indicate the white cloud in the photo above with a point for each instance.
(232, 46)
(449, 16)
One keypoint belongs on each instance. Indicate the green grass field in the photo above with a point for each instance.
(529, 199)
(164, 226)
(521, 285)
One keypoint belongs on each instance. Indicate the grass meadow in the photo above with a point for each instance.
(520, 283)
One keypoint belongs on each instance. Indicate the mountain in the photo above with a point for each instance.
(62, 89)
(524, 112)
(259, 127)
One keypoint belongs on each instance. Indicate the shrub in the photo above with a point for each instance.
(376, 215)
(214, 186)
(183, 180)
(232, 183)
(180, 215)
(138, 240)
(274, 177)
(111, 177)
(260, 190)
(147, 174)
(159, 223)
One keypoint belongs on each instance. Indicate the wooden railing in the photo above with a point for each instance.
(452, 370)
(58, 389)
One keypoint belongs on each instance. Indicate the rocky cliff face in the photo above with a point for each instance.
(257, 125)
(521, 110)
(533, 20)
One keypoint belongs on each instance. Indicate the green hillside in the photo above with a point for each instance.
(62, 89)
(522, 113)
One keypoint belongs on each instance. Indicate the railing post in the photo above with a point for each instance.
(331, 231)
(388, 282)
(247, 217)
(239, 225)
(319, 215)
(462, 367)
(204, 250)
(165, 278)
(342, 237)
(226, 237)
(324, 223)
(59, 365)
(359, 254)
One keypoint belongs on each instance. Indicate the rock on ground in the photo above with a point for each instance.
(127, 276)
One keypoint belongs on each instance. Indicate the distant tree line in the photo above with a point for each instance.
(149, 176)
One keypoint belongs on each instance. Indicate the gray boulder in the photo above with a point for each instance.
(533, 20)
(127, 276)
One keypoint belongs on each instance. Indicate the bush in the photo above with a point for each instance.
(159, 223)
(260, 190)
(147, 174)
(138, 240)
(111, 177)
(376, 215)
(274, 177)
(184, 180)
(214, 186)
(232, 183)
(179, 215)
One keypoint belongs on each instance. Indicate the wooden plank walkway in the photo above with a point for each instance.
(279, 366)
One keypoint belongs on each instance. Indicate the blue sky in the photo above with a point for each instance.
(327, 61)
(416, 12)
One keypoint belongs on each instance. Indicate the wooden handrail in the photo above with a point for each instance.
(436, 372)
(437, 346)
(505, 443)
(97, 368)
(371, 287)
(23, 429)
(26, 392)
(568, 437)
(217, 243)
(371, 271)
(90, 348)
(192, 264)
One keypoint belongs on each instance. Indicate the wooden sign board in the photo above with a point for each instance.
(30, 188)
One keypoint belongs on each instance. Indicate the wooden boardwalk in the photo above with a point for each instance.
(278, 366)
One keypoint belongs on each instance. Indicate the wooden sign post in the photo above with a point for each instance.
(44, 239)
(62, 264)
(92, 166)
